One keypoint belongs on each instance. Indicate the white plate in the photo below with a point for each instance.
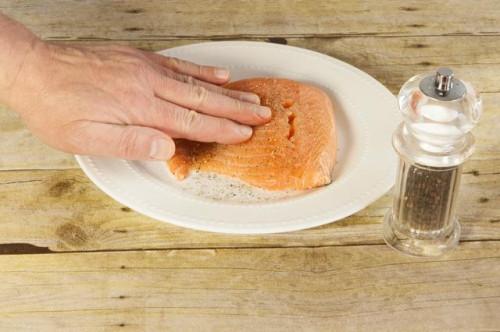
(366, 115)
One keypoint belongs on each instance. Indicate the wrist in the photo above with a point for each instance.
(17, 45)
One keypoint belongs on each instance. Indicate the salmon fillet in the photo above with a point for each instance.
(295, 150)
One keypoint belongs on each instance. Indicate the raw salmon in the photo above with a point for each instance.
(295, 150)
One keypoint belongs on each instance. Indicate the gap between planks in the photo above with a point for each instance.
(268, 36)
(29, 249)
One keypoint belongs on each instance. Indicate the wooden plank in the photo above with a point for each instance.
(301, 289)
(63, 211)
(390, 60)
(179, 18)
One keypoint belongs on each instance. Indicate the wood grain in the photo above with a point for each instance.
(391, 60)
(63, 211)
(158, 19)
(301, 289)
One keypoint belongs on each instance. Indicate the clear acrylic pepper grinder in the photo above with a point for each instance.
(434, 140)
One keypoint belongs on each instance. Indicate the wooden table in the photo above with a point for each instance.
(72, 259)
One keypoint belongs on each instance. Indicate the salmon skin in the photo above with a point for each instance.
(294, 151)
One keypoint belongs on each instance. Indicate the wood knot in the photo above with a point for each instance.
(132, 29)
(134, 11)
(72, 234)
(409, 9)
(418, 46)
(61, 188)
(416, 25)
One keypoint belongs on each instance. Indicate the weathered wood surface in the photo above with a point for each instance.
(335, 277)
(352, 288)
(64, 211)
(391, 60)
(158, 19)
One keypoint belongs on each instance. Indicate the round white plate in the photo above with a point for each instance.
(366, 116)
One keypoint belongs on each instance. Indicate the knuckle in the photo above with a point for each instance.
(128, 143)
(238, 106)
(189, 80)
(169, 73)
(174, 63)
(191, 120)
(222, 126)
(184, 78)
(199, 94)
(187, 121)
(175, 76)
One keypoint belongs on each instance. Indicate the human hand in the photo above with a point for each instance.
(122, 102)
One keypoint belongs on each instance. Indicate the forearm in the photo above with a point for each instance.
(16, 44)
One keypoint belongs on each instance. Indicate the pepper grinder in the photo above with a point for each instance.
(433, 142)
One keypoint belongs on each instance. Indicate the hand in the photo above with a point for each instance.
(127, 103)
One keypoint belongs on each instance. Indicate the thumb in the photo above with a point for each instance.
(121, 141)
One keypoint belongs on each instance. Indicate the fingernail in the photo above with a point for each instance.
(161, 149)
(263, 111)
(251, 98)
(221, 73)
(245, 131)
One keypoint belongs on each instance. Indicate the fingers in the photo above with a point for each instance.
(207, 73)
(203, 100)
(241, 95)
(121, 141)
(180, 122)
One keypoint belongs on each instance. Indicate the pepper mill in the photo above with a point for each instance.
(433, 142)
